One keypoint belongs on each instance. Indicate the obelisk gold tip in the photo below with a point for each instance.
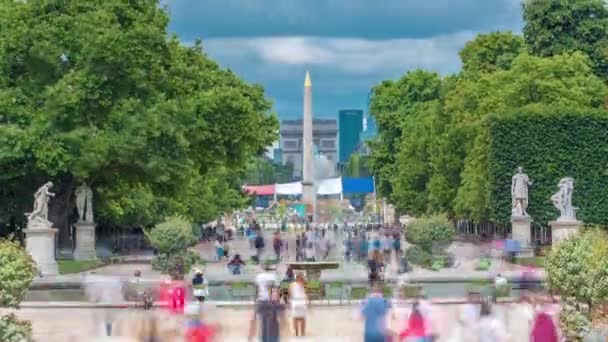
(307, 82)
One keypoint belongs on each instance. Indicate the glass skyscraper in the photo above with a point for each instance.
(350, 128)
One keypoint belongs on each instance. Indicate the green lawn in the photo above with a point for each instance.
(537, 261)
(75, 266)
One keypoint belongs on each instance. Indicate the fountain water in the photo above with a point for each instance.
(323, 168)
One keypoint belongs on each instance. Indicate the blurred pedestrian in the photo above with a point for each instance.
(375, 267)
(270, 315)
(236, 264)
(265, 280)
(375, 313)
(544, 327)
(489, 327)
(298, 302)
(200, 286)
(219, 248)
(196, 329)
(416, 328)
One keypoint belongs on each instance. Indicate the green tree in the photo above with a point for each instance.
(357, 166)
(491, 52)
(551, 85)
(99, 91)
(391, 105)
(261, 170)
(555, 27)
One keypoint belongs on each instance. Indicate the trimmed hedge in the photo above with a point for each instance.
(549, 147)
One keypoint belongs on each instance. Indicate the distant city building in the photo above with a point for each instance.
(324, 134)
(277, 156)
(351, 126)
(370, 131)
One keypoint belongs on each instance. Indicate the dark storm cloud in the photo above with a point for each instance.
(373, 19)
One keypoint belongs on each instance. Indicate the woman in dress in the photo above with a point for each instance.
(297, 294)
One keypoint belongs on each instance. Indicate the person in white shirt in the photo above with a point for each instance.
(490, 328)
(265, 281)
(468, 317)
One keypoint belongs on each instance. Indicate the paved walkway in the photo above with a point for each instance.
(324, 323)
(216, 272)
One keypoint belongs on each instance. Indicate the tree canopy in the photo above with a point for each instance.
(262, 170)
(555, 27)
(432, 152)
(100, 92)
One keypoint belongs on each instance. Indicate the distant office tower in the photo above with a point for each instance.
(324, 136)
(350, 128)
(370, 130)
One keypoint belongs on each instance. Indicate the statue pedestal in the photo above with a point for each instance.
(85, 241)
(40, 243)
(561, 230)
(520, 230)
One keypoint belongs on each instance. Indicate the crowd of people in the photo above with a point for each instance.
(282, 304)
(416, 319)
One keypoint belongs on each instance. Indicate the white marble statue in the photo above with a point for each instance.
(519, 193)
(84, 203)
(562, 200)
(40, 214)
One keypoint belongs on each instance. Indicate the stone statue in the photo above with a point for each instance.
(84, 203)
(40, 213)
(562, 200)
(519, 193)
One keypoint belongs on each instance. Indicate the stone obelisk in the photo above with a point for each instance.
(308, 190)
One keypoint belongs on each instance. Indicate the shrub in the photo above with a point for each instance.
(417, 256)
(15, 330)
(483, 265)
(17, 270)
(176, 265)
(172, 239)
(574, 320)
(431, 231)
(172, 236)
(577, 269)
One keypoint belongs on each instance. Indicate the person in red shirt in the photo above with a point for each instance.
(163, 294)
(178, 297)
(197, 330)
(416, 328)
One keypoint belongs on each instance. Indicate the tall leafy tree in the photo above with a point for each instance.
(391, 103)
(261, 170)
(98, 91)
(532, 85)
(554, 27)
(461, 98)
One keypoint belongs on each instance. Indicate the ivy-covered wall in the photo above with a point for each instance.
(549, 147)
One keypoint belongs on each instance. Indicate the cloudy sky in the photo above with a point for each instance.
(348, 45)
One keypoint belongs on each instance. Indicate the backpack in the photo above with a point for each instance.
(259, 242)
